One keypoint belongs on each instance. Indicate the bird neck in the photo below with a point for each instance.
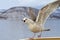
(29, 22)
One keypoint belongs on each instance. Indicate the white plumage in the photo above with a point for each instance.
(36, 24)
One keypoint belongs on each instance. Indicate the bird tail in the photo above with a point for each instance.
(47, 30)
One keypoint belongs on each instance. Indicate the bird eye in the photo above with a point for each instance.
(25, 20)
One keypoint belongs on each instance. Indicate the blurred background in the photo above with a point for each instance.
(13, 11)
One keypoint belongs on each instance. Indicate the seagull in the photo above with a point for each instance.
(36, 24)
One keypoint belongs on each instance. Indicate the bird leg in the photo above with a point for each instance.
(39, 36)
(33, 35)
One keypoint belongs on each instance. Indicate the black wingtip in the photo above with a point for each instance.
(47, 30)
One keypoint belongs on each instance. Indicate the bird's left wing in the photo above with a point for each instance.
(46, 11)
(31, 14)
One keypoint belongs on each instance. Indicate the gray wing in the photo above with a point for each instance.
(31, 13)
(46, 11)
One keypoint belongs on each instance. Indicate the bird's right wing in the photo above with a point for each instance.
(46, 11)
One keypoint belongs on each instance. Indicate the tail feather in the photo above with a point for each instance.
(47, 30)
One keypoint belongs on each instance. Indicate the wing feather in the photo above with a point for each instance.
(31, 13)
(46, 11)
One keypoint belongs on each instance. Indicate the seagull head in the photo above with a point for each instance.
(25, 19)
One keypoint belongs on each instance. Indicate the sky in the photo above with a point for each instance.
(5, 4)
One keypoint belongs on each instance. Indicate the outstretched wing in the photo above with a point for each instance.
(31, 13)
(46, 11)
